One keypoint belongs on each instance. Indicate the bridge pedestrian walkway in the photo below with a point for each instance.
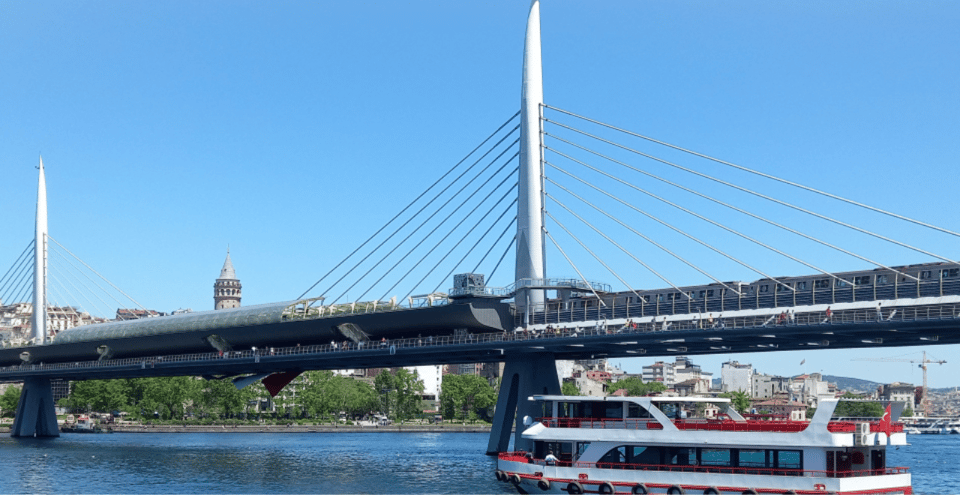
(624, 337)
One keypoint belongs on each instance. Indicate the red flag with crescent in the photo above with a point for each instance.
(885, 425)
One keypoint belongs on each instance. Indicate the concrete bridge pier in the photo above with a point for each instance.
(36, 412)
(523, 376)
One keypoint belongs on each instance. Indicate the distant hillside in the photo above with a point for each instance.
(852, 384)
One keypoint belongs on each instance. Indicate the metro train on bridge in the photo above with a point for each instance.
(308, 322)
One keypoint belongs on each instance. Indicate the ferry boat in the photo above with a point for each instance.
(682, 445)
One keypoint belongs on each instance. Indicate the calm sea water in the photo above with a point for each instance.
(405, 463)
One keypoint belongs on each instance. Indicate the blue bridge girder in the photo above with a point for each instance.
(690, 334)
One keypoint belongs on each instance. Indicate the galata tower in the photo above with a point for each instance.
(226, 290)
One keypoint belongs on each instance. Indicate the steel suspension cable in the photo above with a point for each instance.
(430, 217)
(762, 174)
(452, 230)
(759, 195)
(95, 273)
(504, 255)
(20, 269)
(484, 258)
(658, 220)
(584, 246)
(442, 222)
(724, 227)
(475, 225)
(15, 263)
(83, 293)
(23, 280)
(735, 208)
(415, 215)
(644, 237)
(413, 202)
(482, 236)
(571, 263)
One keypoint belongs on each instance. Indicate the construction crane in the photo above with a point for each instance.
(925, 400)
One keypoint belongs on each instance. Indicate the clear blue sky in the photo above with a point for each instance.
(291, 131)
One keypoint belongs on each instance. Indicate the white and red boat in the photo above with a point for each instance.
(681, 445)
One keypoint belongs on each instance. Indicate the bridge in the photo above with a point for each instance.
(531, 322)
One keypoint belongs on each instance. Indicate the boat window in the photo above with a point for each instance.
(634, 410)
(581, 448)
(840, 283)
(783, 287)
(702, 294)
(715, 457)
(681, 456)
(823, 283)
(764, 289)
(645, 455)
(881, 279)
(863, 280)
(614, 410)
(953, 272)
(789, 459)
(616, 455)
(925, 274)
(710, 293)
(753, 458)
(801, 285)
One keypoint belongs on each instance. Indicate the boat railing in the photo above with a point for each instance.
(527, 458)
(775, 426)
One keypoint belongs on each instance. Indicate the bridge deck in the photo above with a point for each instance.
(918, 325)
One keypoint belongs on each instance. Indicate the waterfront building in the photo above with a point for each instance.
(227, 288)
(670, 374)
(16, 321)
(736, 377)
(899, 392)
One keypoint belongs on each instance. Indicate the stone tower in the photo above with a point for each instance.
(226, 290)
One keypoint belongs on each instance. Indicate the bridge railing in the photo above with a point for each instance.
(616, 306)
(693, 322)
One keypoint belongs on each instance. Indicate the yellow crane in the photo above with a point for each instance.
(925, 400)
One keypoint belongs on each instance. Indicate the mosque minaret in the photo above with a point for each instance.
(226, 290)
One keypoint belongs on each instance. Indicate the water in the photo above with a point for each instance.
(404, 463)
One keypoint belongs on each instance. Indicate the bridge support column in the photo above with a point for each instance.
(523, 376)
(36, 413)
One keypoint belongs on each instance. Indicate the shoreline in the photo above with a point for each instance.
(289, 429)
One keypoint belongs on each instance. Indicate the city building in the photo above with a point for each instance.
(736, 377)
(899, 392)
(670, 374)
(227, 288)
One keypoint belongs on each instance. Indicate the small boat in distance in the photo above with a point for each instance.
(684, 445)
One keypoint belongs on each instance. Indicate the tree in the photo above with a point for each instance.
(739, 400)
(635, 386)
(907, 413)
(98, 395)
(400, 393)
(857, 409)
(9, 400)
(466, 396)
(569, 388)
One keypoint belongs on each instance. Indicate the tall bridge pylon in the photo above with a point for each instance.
(525, 376)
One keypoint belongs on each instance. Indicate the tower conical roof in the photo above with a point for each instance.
(227, 271)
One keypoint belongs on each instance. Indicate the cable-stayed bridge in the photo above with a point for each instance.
(594, 198)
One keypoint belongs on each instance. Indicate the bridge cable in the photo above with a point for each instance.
(584, 246)
(646, 238)
(83, 293)
(15, 263)
(464, 237)
(757, 194)
(512, 240)
(761, 174)
(654, 218)
(422, 224)
(504, 255)
(442, 222)
(21, 287)
(728, 229)
(418, 213)
(555, 243)
(482, 236)
(95, 273)
(455, 227)
(18, 268)
(410, 204)
(732, 207)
